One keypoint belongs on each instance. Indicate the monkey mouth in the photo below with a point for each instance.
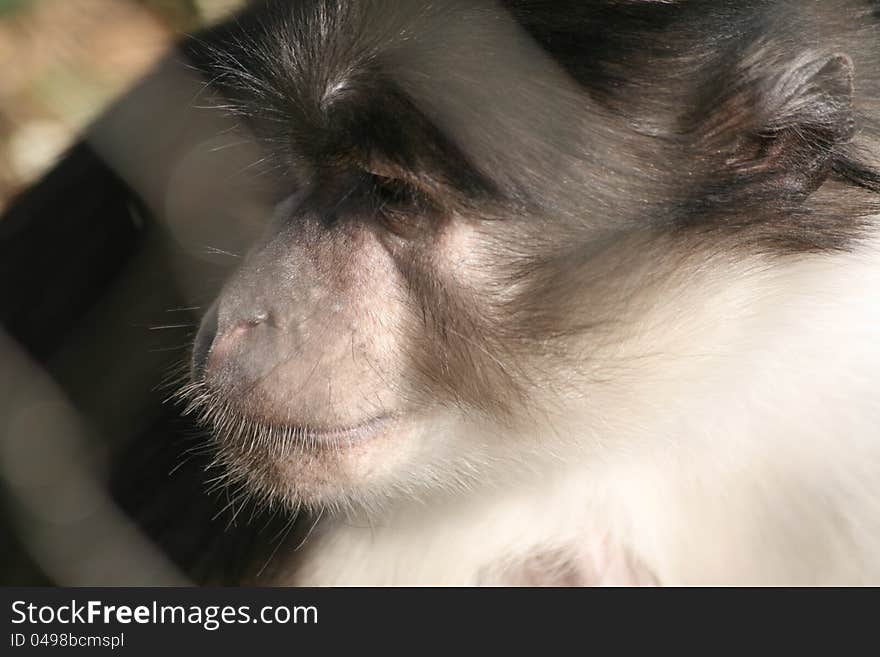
(336, 436)
(229, 422)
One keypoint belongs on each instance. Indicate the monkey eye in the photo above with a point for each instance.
(400, 207)
(392, 191)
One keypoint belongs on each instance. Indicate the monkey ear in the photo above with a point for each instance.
(794, 124)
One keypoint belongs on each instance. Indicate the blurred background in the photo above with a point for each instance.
(109, 248)
(65, 60)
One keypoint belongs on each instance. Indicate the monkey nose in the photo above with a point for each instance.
(219, 332)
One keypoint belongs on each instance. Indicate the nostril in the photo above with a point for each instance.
(202, 345)
(221, 330)
(256, 317)
(247, 321)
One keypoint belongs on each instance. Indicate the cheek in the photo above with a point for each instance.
(351, 362)
(467, 353)
(463, 257)
(484, 266)
(376, 317)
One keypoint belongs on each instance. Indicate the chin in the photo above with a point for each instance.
(307, 464)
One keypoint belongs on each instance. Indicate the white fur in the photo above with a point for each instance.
(738, 443)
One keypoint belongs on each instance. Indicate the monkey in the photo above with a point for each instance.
(556, 293)
(571, 293)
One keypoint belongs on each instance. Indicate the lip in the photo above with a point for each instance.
(238, 426)
(341, 435)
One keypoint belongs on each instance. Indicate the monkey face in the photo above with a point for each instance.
(484, 216)
(389, 329)
(338, 359)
